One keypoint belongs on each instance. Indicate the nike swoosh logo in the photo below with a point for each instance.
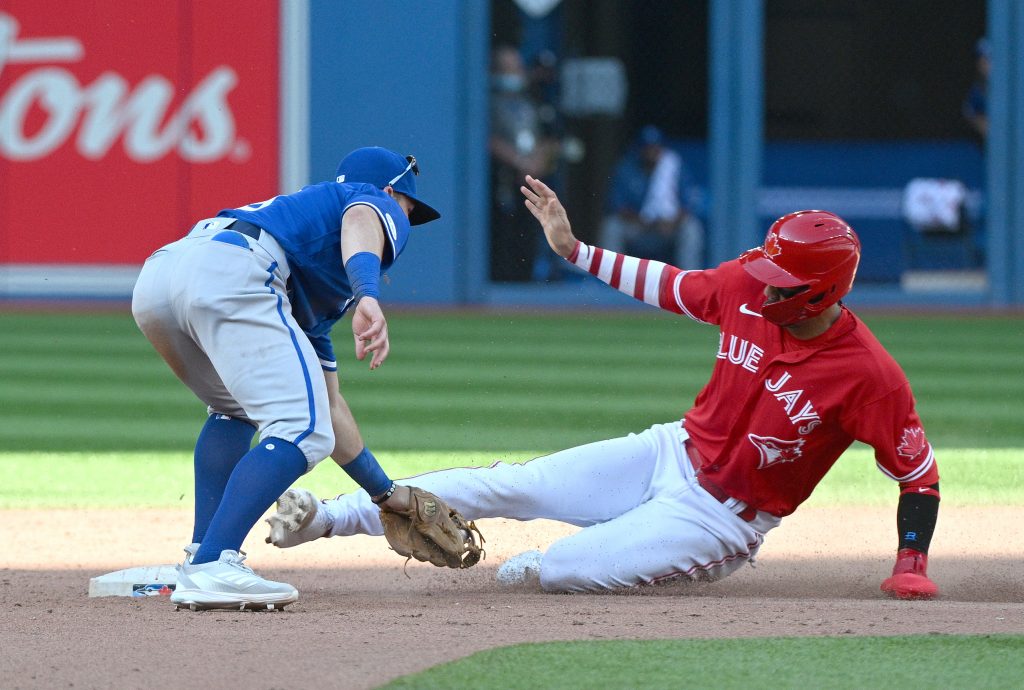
(744, 310)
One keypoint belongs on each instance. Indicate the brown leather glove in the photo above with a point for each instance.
(433, 532)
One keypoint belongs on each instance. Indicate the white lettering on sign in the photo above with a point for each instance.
(202, 129)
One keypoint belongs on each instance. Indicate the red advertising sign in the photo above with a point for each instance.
(121, 124)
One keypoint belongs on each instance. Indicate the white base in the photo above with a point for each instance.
(145, 581)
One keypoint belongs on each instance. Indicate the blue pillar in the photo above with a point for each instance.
(1016, 74)
(736, 125)
(1005, 153)
(472, 239)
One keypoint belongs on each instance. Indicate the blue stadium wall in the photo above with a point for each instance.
(413, 77)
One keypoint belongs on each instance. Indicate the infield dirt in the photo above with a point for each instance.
(361, 622)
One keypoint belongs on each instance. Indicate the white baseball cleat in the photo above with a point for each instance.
(298, 519)
(228, 583)
(521, 569)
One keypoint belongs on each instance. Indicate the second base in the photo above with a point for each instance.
(143, 581)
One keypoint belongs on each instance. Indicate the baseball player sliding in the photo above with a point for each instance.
(241, 310)
(797, 378)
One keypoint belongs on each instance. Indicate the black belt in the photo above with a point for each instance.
(246, 228)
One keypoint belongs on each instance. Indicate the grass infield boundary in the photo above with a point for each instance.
(912, 661)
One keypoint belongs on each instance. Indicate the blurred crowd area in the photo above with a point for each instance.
(874, 110)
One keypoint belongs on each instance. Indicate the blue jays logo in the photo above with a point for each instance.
(776, 450)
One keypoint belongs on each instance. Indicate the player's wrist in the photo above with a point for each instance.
(367, 473)
(363, 270)
(396, 498)
(574, 252)
(382, 498)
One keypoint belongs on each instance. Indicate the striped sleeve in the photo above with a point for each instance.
(653, 282)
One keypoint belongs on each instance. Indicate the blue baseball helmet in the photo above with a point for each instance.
(383, 168)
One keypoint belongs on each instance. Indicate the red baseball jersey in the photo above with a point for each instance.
(778, 411)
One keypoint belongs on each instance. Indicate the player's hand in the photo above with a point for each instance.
(370, 331)
(546, 208)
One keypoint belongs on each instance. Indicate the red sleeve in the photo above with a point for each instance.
(696, 293)
(891, 426)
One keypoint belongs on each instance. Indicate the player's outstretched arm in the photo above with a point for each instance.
(649, 281)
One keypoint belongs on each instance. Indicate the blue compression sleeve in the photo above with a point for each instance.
(363, 271)
(221, 444)
(367, 473)
(259, 478)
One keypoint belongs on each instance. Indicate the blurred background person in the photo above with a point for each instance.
(518, 147)
(975, 107)
(648, 215)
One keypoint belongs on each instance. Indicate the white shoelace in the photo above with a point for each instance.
(237, 562)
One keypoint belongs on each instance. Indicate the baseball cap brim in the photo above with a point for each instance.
(421, 212)
(757, 265)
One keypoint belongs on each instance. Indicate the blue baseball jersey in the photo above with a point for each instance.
(307, 225)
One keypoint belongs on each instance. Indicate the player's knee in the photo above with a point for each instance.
(318, 445)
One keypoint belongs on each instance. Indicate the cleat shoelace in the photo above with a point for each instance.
(238, 562)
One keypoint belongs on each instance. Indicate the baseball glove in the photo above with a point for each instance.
(433, 532)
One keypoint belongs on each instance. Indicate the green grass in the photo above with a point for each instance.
(164, 479)
(972, 477)
(953, 661)
(482, 382)
(92, 418)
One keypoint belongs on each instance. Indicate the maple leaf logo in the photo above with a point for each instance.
(772, 248)
(913, 442)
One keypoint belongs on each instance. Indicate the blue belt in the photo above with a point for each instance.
(239, 227)
(246, 228)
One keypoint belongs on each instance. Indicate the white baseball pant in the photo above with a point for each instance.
(644, 515)
(219, 314)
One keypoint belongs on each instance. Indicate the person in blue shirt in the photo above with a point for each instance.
(241, 309)
(648, 215)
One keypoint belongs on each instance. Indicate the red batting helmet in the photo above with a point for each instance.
(816, 249)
